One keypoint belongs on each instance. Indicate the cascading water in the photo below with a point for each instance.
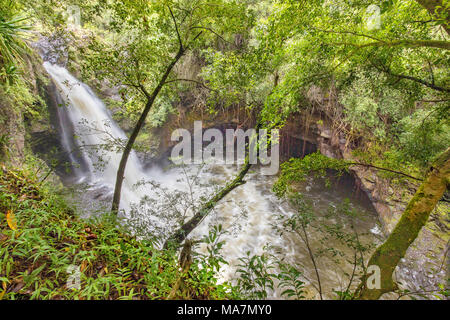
(248, 213)
(97, 136)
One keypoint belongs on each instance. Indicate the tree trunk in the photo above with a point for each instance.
(415, 216)
(126, 152)
(181, 234)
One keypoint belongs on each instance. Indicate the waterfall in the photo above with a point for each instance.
(97, 137)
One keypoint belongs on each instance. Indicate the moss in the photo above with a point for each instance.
(415, 216)
(22, 106)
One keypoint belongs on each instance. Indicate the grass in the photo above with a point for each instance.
(41, 238)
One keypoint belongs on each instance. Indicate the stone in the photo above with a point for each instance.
(325, 134)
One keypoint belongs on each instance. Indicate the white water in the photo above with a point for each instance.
(94, 127)
(247, 213)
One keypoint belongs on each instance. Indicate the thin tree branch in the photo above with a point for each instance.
(212, 31)
(441, 44)
(195, 38)
(384, 169)
(434, 101)
(191, 80)
(349, 32)
(176, 28)
(402, 76)
(313, 260)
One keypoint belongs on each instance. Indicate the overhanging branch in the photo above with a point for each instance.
(190, 80)
(176, 28)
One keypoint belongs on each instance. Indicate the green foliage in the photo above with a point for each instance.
(256, 275)
(290, 281)
(17, 77)
(213, 246)
(386, 89)
(49, 238)
(140, 40)
(296, 170)
(12, 40)
(210, 265)
(368, 79)
(267, 56)
(20, 98)
(424, 136)
(260, 275)
(374, 109)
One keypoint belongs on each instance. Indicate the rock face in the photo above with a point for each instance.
(12, 133)
(21, 111)
(389, 203)
(425, 264)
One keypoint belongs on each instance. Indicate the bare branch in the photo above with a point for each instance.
(176, 28)
(212, 31)
(384, 169)
(349, 32)
(402, 76)
(440, 44)
(190, 80)
(195, 38)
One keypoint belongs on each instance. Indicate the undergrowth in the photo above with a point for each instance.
(43, 242)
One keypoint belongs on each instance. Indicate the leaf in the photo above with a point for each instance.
(35, 272)
(4, 286)
(11, 219)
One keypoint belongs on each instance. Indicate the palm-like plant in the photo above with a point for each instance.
(12, 42)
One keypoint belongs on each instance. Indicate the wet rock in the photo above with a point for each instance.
(325, 134)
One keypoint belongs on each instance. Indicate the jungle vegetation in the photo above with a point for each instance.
(377, 72)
